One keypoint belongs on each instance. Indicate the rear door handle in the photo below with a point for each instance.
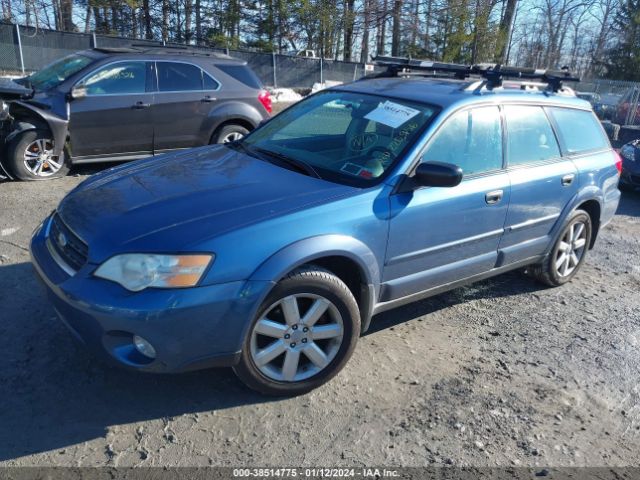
(139, 105)
(568, 179)
(493, 197)
(208, 99)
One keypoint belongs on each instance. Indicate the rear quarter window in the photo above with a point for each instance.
(242, 74)
(579, 130)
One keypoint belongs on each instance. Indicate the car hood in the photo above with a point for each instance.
(11, 90)
(180, 200)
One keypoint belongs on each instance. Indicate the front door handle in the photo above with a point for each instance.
(568, 179)
(139, 105)
(208, 99)
(493, 197)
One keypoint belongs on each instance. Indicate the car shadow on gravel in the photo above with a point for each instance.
(505, 285)
(55, 395)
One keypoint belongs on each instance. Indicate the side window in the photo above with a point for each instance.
(209, 82)
(579, 130)
(471, 139)
(178, 77)
(531, 138)
(118, 78)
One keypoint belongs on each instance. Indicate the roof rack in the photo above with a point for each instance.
(156, 48)
(493, 74)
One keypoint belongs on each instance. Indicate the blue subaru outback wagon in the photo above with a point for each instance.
(272, 254)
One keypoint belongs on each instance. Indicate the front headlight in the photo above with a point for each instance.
(137, 271)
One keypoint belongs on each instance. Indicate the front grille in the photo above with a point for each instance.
(71, 249)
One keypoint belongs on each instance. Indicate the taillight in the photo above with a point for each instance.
(618, 162)
(265, 99)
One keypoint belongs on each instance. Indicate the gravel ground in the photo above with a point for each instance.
(503, 372)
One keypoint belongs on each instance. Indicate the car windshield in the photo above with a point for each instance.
(347, 137)
(57, 72)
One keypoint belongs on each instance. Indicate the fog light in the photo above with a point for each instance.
(144, 347)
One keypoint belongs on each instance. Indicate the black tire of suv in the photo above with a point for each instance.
(227, 130)
(309, 279)
(545, 272)
(15, 152)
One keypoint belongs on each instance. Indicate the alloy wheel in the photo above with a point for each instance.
(232, 137)
(571, 249)
(296, 338)
(39, 159)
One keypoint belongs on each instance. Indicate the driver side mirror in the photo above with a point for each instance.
(78, 92)
(437, 174)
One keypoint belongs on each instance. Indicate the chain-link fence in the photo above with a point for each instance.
(25, 49)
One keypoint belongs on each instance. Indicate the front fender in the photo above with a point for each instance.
(307, 250)
(58, 126)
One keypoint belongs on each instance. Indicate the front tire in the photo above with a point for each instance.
(568, 253)
(303, 335)
(30, 157)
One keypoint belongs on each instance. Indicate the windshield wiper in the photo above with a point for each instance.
(294, 162)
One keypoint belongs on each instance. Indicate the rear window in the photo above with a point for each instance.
(242, 74)
(579, 130)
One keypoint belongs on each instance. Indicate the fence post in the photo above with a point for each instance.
(321, 72)
(273, 62)
(94, 40)
(20, 47)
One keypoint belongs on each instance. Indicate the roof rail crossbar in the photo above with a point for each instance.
(492, 73)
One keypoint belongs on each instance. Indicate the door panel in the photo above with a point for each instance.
(538, 197)
(114, 117)
(542, 183)
(439, 235)
(182, 105)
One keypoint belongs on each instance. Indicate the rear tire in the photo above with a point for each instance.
(303, 335)
(229, 133)
(568, 253)
(29, 157)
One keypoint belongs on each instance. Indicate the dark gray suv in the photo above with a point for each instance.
(124, 104)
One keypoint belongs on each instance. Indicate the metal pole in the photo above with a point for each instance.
(20, 47)
(94, 40)
(321, 72)
(273, 62)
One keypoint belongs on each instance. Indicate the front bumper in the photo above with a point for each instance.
(631, 178)
(190, 328)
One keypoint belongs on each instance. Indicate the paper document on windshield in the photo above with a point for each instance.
(391, 114)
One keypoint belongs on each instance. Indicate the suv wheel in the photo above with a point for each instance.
(568, 253)
(229, 133)
(30, 157)
(303, 335)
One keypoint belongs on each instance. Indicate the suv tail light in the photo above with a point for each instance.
(618, 162)
(265, 99)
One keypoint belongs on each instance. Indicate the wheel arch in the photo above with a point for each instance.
(593, 208)
(348, 258)
(29, 117)
(589, 199)
(243, 122)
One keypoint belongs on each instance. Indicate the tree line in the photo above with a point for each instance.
(591, 37)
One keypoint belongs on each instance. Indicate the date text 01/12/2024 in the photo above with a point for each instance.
(314, 473)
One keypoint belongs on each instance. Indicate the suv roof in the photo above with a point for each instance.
(156, 52)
